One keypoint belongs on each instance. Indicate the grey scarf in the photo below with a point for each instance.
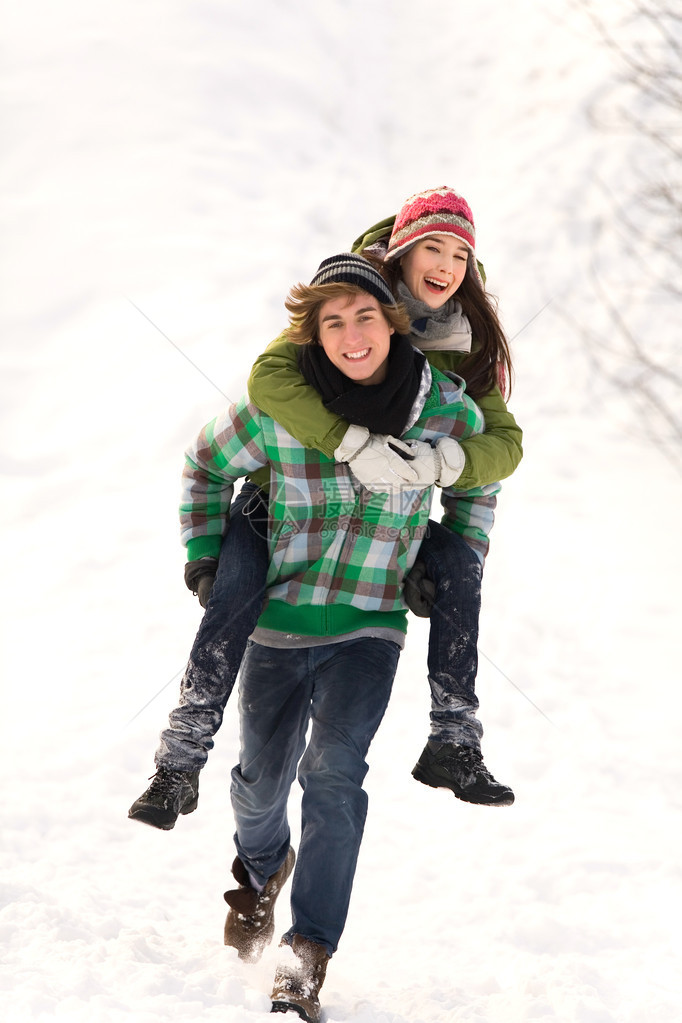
(444, 329)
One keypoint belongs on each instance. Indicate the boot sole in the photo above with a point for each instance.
(292, 1007)
(419, 774)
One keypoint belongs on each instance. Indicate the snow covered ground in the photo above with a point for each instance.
(184, 164)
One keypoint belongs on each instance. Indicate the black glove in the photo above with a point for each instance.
(204, 587)
(200, 576)
(419, 591)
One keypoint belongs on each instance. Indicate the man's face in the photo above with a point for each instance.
(356, 337)
(434, 268)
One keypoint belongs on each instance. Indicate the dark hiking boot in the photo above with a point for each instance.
(250, 922)
(299, 976)
(170, 793)
(445, 765)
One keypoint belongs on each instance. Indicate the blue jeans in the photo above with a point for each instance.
(233, 609)
(343, 689)
(453, 637)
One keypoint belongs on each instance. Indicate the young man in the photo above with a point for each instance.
(326, 645)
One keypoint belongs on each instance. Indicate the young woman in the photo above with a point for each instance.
(428, 253)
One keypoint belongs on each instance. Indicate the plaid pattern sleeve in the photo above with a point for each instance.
(228, 447)
(471, 513)
(449, 411)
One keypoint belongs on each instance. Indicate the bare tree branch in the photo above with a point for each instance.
(639, 238)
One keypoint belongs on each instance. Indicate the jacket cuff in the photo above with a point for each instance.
(204, 547)
(334, 439)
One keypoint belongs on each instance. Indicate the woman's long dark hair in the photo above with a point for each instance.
(490, 364)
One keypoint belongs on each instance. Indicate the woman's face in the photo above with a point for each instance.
(434, 268)
(356, 337)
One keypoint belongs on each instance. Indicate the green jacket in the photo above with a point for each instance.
(338, 554)
(276, 386)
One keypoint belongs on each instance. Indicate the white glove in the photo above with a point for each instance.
(380, 462)
(441, 464)
(425, 462)
(451, 461)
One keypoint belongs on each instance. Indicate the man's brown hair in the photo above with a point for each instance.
(304, 302)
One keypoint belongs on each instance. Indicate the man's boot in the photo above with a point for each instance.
(299, 976)
(460, 769)
(250, 922)
(170, 793)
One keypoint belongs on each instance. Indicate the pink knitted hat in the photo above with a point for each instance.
(435, 211)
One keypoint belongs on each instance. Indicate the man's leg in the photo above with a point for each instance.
(353, 682)
(274, 708)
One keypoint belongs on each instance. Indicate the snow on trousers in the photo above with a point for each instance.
(453, 637)
(233, 609)
(343, 689)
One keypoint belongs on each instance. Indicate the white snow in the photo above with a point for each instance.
(184, 164)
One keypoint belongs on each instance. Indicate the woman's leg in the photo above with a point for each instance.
(453, 638)
(452, 756)
(233, 609)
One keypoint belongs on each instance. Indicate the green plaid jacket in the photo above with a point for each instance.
(338, 553)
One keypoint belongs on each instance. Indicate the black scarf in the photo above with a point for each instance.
(382, 408)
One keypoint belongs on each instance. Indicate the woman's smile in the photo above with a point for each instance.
(438, 287)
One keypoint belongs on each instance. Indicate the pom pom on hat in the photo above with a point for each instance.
(435, 211)
(349, 268)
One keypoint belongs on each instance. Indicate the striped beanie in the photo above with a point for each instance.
(435, 211)
(349, 268)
